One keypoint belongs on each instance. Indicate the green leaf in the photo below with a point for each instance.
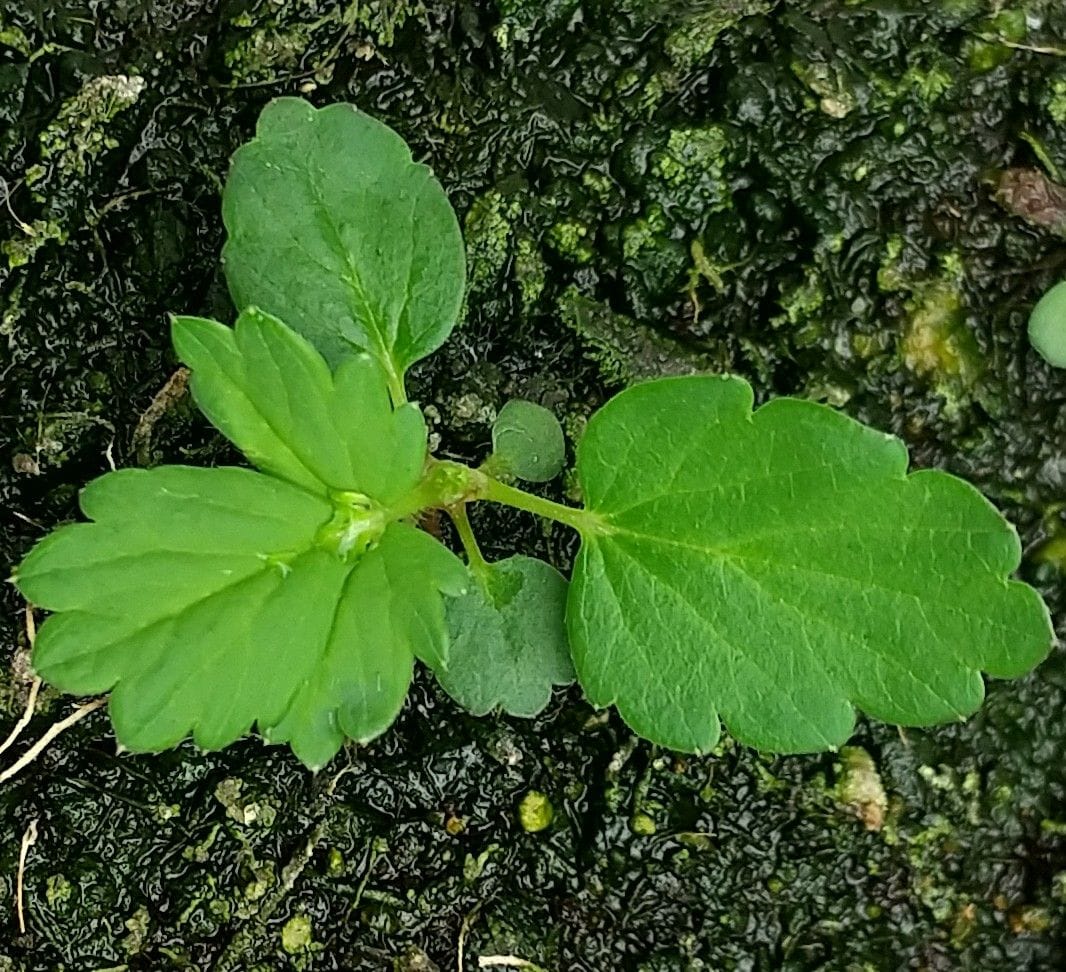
(1047, 326)
(508, 643)
(209, 600)
(527, 442)
(332, 227)
(206, 600)
(776, 569)
(272, 394)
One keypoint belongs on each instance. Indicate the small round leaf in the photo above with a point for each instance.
(527, 440)
(508, 639)
(1047, 326)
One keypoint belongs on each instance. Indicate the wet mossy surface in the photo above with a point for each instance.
(801, 193)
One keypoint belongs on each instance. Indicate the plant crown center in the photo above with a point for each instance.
(356, 526)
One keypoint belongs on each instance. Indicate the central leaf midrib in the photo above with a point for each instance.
(726, 552)
(353, 278)
(737, 559)
(196, 602)
(374, 327)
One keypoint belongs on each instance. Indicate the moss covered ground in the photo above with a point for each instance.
(852, 201)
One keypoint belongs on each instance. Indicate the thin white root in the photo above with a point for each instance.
(1053, 51)
(35, 687)
(31, 704)
(60, 727)
(464, 930)
(28, 840)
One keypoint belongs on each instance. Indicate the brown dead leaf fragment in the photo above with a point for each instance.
(170, 393)
(1034, 197)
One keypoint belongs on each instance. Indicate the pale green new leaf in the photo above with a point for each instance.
(211, 600)
(202, 600)
(527, 442)
(332, 227)
(777, 569)
(273, 395)
(508, 643)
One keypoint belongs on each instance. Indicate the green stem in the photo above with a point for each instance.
(450, 486)
(478, 564)
(583, 521)
(397, 391)
(1042, 155)
(444, 484)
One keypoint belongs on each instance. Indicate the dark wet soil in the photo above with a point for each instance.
(810, 194)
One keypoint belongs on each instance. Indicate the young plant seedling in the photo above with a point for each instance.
(770, 569)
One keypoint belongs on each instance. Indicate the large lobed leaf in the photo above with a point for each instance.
(209, 600)
(332, 227)
(776, 569)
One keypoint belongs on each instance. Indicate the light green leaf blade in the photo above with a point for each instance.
(333, 228)
(357, 692)
(416, 563)
(527, 442)
(508, 639)
(272, 394)
(1047, 326)
(206, 600)
(776, 569)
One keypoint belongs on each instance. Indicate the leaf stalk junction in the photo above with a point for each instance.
(450, 486)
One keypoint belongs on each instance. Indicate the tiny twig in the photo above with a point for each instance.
(172, 391)
(240, 945)
(505, 961)
(31, 522)
(8, 190)
(1053, 51)
(372, 859)
(29, 838)
(475, 559)
(39, 747)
